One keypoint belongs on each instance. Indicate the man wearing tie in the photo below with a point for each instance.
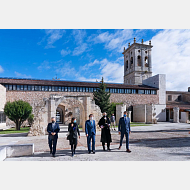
(53, 130)
(90, 130)
(124, 129)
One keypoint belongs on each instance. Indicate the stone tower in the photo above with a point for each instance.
(137, 62)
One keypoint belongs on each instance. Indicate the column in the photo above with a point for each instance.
(142, 59)
(149, 61)
(176, 115)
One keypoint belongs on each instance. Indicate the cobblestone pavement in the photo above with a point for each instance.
(165, 141)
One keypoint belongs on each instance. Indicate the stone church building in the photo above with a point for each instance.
(144, 96)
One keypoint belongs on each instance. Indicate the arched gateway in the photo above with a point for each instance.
(63, 108)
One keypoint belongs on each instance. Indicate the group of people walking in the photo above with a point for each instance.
(90, 130)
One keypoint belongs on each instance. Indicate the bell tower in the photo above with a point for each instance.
(137, 63)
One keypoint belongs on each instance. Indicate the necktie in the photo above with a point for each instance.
(125, 120)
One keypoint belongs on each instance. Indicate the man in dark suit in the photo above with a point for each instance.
(90, 130)
(53, 130)
(124, 129)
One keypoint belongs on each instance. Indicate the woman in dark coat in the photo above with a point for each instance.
(104, 124)
(73, 130)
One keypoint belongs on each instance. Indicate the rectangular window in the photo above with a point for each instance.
(18, 87)
(133, 91)
(43, 88)
(75, 89)
(36, 88)
(80, 89)
(62, 88)
(21, 87)
(40, 88)
(59, 88)
(84, 89)
(2, 117)
(122, 91)
(7, 86)
(46, 88)
(10, 86)
(25, 88)
(49, 88)
(94, 90)
(53, 88)
(153, 91)
(90, 89)
(69, 89)
(14, 87)
(29, 87)
(140, 91)
(66, 89)
(56, 88)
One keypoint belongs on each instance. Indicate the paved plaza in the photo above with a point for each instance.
(160, 142)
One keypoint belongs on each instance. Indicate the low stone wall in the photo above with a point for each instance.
(3, 151)
(9, 151)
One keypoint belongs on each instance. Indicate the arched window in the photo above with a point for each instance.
(131, 60)
(127, 65)
(146, 61)
(139, 60)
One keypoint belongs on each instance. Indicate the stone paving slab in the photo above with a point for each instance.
(169, 142)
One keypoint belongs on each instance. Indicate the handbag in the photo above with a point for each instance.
(68, 136)
(51, 137)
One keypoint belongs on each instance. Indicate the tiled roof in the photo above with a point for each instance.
(69, 83)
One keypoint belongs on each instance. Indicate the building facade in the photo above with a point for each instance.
(142, 94)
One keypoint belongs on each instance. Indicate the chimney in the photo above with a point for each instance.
(150, 42)
(142, 41)
(134, 40)
(128, 44)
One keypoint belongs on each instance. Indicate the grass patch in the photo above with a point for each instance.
(13, 130)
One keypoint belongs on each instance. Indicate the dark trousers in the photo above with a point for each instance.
(89, 142)
(108, 145)
(54, 143)
(127, 139)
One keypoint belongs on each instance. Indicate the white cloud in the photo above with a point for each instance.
(51, 37)
(66, 69)
(171, 56)
(45, 65)
(22, 75)
(65, 52)
(80, 49)
(114, 41)
(79, 36)
(1, 69)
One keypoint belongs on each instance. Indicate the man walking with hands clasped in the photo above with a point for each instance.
(124, 129)
(90, 130)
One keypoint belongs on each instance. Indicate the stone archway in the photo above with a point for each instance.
(43, 111)
(73, 105)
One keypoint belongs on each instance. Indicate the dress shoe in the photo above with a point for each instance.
(74, 151)
(93, 152)
(119, 148)
(104, 148)
(128, 151)
(50, 151)
(109, 149)
(53, 155)
(89, 152)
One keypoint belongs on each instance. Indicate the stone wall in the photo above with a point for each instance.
(2, 103)
(158, 81)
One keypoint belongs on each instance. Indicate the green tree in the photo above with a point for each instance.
(31, 119)
(101, 97)
(18, 112)
(112, 108)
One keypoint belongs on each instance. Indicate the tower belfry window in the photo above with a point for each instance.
(127, 65)
(139, 60)
(146, 61)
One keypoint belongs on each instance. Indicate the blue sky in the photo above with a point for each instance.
(87, 55)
